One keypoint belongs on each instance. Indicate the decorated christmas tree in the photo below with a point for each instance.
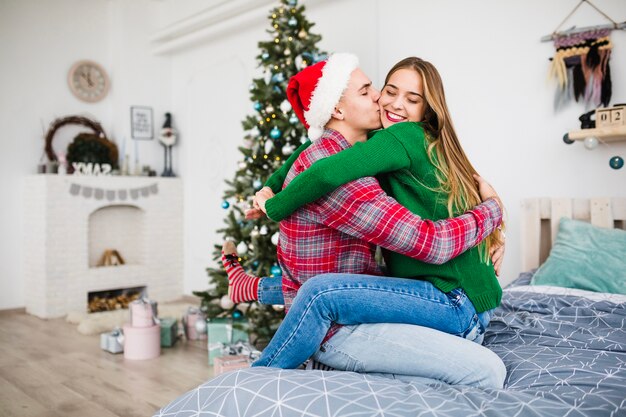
(273, 132)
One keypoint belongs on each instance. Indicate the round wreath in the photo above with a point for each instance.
(72, 120)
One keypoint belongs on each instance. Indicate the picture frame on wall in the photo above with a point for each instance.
(141, 123)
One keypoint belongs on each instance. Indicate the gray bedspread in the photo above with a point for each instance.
(565, 355)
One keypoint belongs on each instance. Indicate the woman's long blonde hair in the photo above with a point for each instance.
(454, 170)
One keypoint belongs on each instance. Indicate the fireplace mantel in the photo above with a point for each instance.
(57, 270)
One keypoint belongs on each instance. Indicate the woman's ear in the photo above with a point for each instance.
(337, 114)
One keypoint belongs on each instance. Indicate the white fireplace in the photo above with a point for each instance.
(70, 221)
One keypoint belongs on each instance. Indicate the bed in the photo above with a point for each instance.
(564, 349)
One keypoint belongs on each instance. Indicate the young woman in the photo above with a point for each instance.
(420, 162)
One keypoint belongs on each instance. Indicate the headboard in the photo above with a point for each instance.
(540, 222)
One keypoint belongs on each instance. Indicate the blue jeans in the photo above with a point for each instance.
(351, 299)
(270, 291)
(412, 354)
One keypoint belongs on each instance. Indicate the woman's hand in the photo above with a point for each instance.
(253, 214)
(497, 255)
(486, 191)
(261, 197)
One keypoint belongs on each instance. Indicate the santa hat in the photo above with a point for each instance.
(315, 91)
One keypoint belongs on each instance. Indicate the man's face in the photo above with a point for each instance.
(359, 103)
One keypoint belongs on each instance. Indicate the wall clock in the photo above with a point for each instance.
(88, 81)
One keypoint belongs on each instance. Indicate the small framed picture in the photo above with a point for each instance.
(141, 123)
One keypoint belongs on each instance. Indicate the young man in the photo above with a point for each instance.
(338, 234)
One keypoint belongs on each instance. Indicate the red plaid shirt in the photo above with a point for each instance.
(340, 231)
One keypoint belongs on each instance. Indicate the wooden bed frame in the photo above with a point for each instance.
(540, 222)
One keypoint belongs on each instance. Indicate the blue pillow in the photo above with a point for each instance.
(585, 257)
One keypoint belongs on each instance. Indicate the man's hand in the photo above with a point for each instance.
(253, 214)
(497, 255)
(261, 197)
(486, 191)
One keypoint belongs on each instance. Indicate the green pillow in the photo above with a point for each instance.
(585, 257)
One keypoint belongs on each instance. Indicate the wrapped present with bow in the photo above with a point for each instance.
(143, 313)
(222, 333)
(235, 356)
(112, 341)
(241, 348)
(229, 363)
(194, 324)
(169, 331)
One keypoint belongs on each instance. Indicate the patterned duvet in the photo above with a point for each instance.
(565, 353)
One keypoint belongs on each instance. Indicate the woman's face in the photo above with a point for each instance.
(402, 98)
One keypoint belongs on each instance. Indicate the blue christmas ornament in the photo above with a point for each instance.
(257, 184)
(277, 89)
(237, 314)
(292, 22)
(293, 119)
(567, 140)
(278, 78)
(276, 271)
(265, 55)
(292, 2)
(275, 133)
(314, 57)
(255, 264)
(225, 204)
(616, 162)
(257, 106)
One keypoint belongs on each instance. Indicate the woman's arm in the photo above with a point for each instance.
(276, 181)
(382, 153)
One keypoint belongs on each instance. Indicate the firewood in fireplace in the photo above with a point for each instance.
(111, 257)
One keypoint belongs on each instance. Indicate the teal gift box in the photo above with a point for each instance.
(224, 331)
(169, 331)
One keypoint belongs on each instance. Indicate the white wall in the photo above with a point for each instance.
(494, 69)
(39, 42)
(488, 52)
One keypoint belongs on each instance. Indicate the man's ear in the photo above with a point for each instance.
(337, 114)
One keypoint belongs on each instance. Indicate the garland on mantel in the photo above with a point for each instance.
(124, 194)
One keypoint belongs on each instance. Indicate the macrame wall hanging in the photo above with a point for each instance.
(581, 64)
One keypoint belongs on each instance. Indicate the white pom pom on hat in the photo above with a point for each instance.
(315, 91)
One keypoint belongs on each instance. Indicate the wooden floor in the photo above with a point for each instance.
(49, 369)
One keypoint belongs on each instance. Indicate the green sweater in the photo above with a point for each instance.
(398, 156)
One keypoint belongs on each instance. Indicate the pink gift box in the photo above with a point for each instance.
(228, 363)
(142, 342)
(143, 313)
(189, 323)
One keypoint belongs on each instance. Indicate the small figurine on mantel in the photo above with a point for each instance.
(167, 137)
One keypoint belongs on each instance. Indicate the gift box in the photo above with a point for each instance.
(143, 313)
(230, 363)
(142, 342)
(113, 341)
(169, 331)
(192, 320)
(223, 332)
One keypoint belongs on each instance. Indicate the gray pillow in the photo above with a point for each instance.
(585, 257)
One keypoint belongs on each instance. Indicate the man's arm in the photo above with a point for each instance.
(361, 209)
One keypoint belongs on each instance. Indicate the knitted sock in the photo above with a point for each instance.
(241, 286)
